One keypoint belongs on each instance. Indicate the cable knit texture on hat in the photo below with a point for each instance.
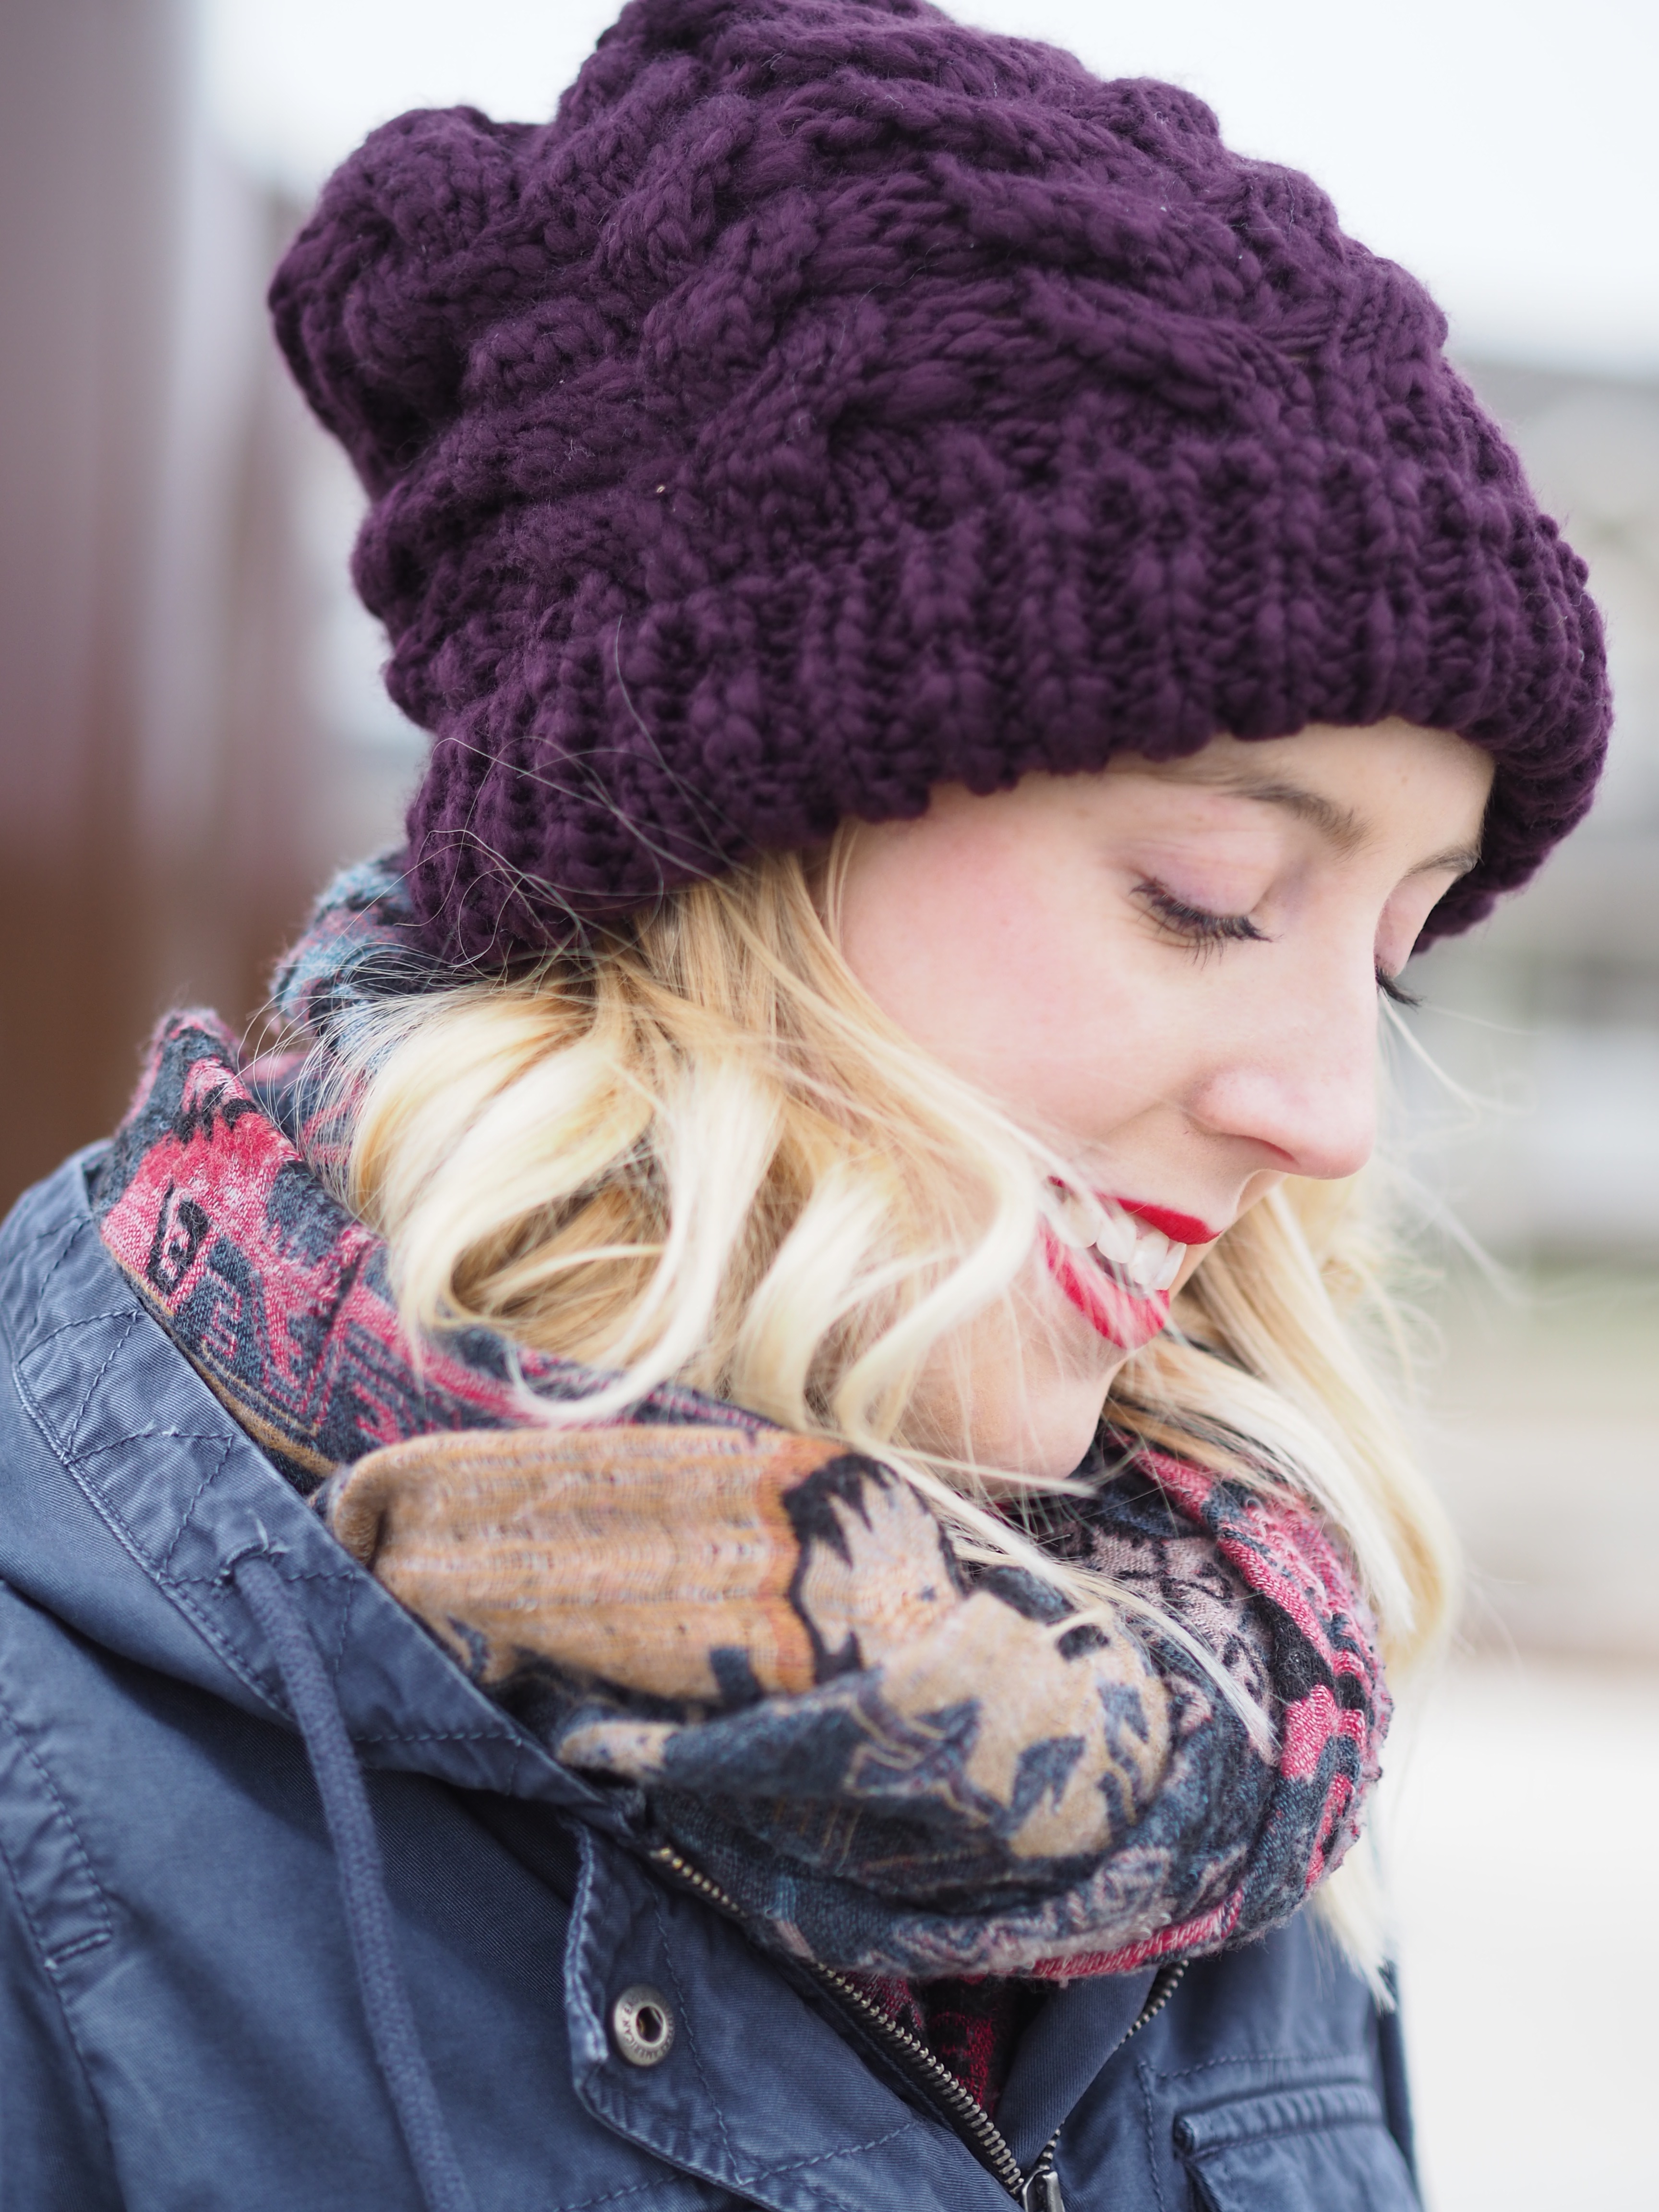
(833, 401)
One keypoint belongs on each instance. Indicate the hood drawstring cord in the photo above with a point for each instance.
(362, 1884)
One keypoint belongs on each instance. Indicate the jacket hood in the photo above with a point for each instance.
(129, 1496)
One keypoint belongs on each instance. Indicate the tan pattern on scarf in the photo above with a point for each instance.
(621, 1554)
(632, 1556)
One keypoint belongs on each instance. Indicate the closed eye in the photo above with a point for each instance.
(1395, 992)
(1201, 928)
(1196, 925)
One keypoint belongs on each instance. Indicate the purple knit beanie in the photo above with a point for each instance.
(833, 401)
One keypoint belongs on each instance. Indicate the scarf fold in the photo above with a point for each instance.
(893, 1760)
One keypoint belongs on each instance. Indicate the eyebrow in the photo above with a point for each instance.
(1339, 825)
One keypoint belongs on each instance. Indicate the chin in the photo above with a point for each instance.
(1053, 1440)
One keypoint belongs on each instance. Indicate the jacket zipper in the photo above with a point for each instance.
(1037, 2191)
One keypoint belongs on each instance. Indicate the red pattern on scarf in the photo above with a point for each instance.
(972, 2025)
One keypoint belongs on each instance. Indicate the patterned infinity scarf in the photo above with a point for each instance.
(892, 1760)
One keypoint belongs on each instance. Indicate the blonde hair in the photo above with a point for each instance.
(700, 1152)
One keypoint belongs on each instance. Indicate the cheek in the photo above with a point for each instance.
(1022, 980)
(945, 938)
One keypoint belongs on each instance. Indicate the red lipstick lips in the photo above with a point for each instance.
(1179, 1227)
(1110, 1309)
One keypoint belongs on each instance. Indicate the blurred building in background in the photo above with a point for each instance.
(1533, 1119)
(157, 738)
(1550, 1014)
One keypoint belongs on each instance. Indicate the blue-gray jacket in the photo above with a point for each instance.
(232, 1980)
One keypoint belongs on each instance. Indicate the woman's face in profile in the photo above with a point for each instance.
(1170, 972)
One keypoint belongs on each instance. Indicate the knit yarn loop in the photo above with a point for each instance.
(833, 401)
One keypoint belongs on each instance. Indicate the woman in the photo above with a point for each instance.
(729, 1542)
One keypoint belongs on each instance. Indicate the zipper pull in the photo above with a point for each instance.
(1042, 2193)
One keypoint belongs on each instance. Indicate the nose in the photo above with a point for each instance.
(1296, 1076)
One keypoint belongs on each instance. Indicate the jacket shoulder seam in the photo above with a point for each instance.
(41, 1236)
(179, 1587)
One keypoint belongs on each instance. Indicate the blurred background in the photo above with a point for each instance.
(192, 733)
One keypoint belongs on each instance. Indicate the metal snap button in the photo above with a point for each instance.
(643, 2025)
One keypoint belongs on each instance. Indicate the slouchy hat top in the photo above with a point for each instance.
(833, 401)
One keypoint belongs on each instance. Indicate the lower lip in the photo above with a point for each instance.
(1110, 1310)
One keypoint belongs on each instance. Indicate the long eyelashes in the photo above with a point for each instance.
(1396, 992)
(1195, 924)
(1200, 928)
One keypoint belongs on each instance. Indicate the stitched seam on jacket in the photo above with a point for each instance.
(85, 1452)
(129, 1322)
(770, 2172)
(130, 1543)
(197, 1495)
(1319, 2127)
(51, 1956)
(843, 2150)
(1302, 2058)
(76, 1232)
(634, 2187)
(61, 2000)
(129, 1312)
(1145, 2074)
(23, 1906)
(338, 1660)
(178, 1585)
(661, 1919)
